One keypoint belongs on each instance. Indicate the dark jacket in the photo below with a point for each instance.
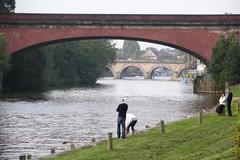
(229, 99)
(122, 110)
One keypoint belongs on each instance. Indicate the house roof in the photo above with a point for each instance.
(149, 53)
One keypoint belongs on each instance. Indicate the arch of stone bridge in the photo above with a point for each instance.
(180, 72)
(121, 70)
(174, 68)
(110, 69)
(151, 73)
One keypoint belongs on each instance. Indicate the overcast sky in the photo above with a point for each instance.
(129, 7)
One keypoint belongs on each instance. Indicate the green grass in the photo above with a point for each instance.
(183, 140)
(236, 90)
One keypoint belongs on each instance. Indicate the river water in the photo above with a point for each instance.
(32, 123)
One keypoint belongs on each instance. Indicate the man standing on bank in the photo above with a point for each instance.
(229, 100)
(122, 110)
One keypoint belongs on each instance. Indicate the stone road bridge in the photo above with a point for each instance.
(146, 67)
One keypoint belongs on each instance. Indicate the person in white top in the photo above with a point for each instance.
(222, 104)
(131, 121)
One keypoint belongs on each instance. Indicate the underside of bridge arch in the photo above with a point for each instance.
(107, 72)
(172, 41)
(181, 72)
(164, 73)
(131, 71)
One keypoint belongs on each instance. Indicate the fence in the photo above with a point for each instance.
(205, 87)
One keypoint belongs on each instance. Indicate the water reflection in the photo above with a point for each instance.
(35, 122)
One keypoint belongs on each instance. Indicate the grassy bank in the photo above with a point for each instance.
(236, 90)
(183, 140)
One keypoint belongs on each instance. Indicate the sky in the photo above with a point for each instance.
(129, 7)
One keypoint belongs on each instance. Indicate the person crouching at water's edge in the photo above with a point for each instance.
(122, 110)
(131, 120)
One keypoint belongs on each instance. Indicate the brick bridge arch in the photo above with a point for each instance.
(195, 34)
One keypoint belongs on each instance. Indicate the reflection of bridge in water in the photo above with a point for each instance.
(146, 67)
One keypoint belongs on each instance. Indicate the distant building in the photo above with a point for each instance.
(167, 54)
(149, 55)
(200, 66)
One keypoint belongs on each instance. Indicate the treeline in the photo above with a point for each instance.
(65, 64)
(225, 65)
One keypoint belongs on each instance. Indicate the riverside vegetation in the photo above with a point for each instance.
(66, 64)
(214, 139)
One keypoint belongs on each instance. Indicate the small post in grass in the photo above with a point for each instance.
(53, 151)
(200, 118)
(162, 129)
(238, 107)
(29, 156)
(72, 146)
(110, 141)
(25, 157)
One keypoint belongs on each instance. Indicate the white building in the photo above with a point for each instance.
(200, 66)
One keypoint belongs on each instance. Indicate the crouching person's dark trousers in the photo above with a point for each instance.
(131, 124)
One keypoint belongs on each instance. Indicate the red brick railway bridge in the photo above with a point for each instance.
(194, 34)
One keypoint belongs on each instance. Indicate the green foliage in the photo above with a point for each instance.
(64, 64)
(235, 90)
(4, 65)
(27, 70)
(131, 49)
(224, 65)
(7, 6)
(82, 62)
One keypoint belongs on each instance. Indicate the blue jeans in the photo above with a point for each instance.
(121, 123)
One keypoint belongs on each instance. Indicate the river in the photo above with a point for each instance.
(32, 123)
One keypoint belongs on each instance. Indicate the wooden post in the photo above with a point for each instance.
(162, 129)
(110, 144)
(29, 156)
(238, 107)
(25, 157)
(226, 88)
(72, 146)
(200, 118)
(53, 151)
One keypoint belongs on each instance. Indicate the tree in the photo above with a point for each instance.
(224, 65)
(131, 49)
(4, 65)
(82, 62)
(27, 71)
(7, 6)
(66, 64)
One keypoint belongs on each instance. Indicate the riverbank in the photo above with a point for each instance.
(185, 139)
